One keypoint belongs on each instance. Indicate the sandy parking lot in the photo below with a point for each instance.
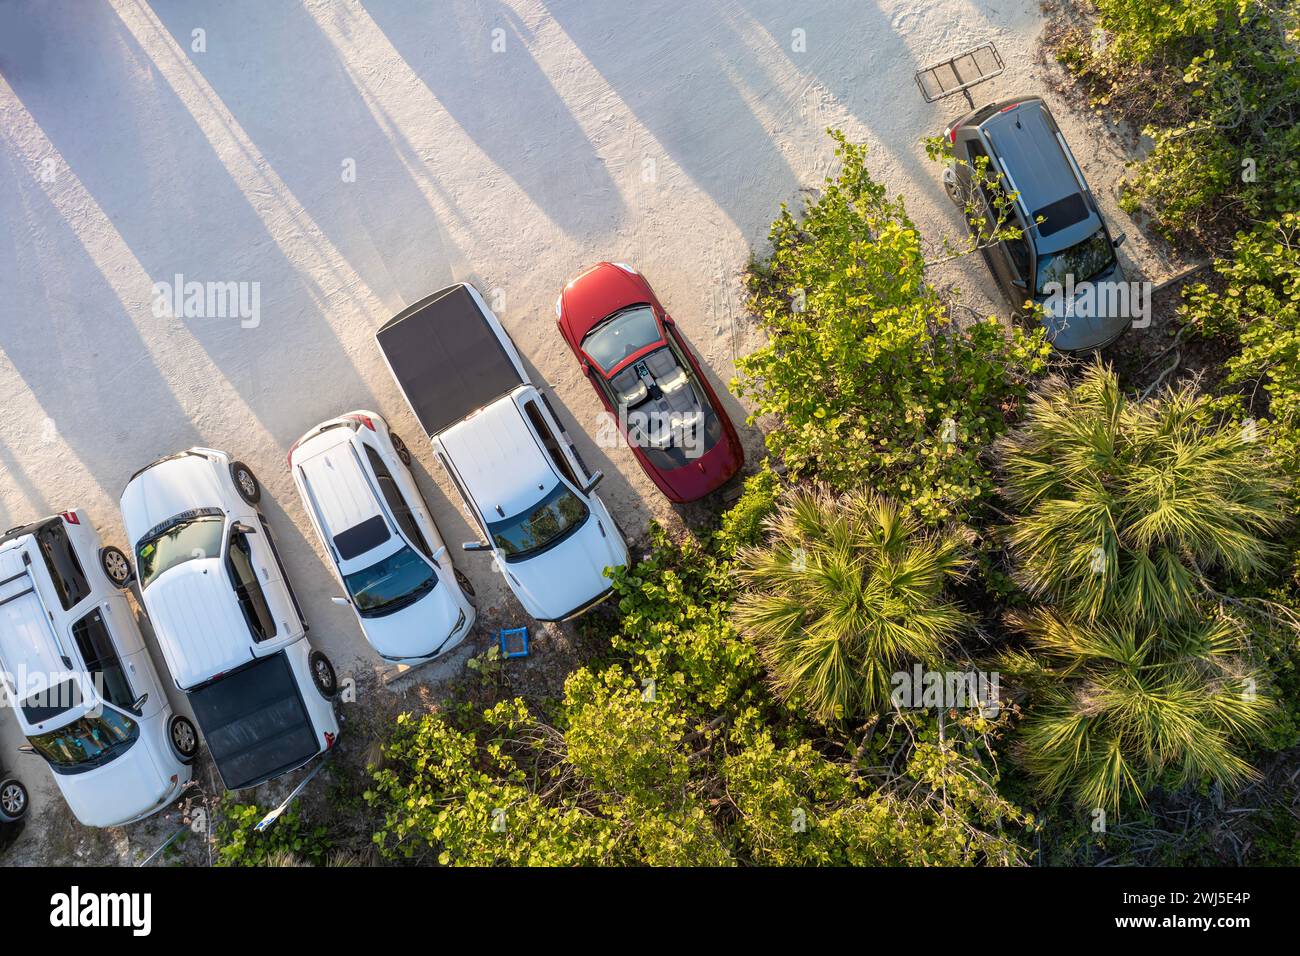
(351, 157)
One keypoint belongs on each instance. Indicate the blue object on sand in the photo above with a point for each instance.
(514, 642)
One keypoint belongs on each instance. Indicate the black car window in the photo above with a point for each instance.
(252, 599)
(361, 538)
(1061, 214)
(61, 561)
(95, 644)
(396, 503)
(549, 442)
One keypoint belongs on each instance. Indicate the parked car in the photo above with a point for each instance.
(13, 808)
(353, 475)
(649, 380)
(1029, 159)
(226, 618)
(523, 484)
(85, 691)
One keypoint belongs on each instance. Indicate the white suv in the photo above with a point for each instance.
(76, 669)
(354, 478)
(226, 618)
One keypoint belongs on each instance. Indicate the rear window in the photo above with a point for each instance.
(364, 537)
(1061, 214)
(65, 570)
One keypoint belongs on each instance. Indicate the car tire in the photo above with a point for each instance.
(463, 581)
(246, 483)
(184, 738)
(399, 446)
(13, 800)
(322, 674)
(951, 187)
(117, 568)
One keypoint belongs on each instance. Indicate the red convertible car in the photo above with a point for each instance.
(649, 381)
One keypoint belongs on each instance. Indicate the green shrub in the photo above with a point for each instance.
(867, 376)
(288, 841)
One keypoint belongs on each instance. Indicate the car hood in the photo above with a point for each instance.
(166, 490)
(416, 631)
(1097, 314)
(557, 582)
(127, 787)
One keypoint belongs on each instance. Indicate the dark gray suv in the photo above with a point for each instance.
(1065, 260)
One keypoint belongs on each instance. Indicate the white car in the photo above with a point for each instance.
(355, 482)
(226, 618)
(494, 432)
(84, 690)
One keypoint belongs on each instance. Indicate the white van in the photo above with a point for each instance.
(226, 617)
(79, 678)
(354, 477)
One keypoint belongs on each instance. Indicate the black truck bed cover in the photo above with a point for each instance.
(446, 358)
(255, 723)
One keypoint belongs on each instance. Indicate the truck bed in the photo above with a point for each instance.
(447, 358)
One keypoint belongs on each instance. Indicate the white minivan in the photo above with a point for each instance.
(79, 677)
(353, 475)
(226, 618)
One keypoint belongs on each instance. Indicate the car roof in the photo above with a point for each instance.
(197, 621)
(337, 483)
(28, 645)
(1025, 142)
(498, 459)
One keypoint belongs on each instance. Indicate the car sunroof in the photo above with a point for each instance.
(1061, 214)
(366, 536)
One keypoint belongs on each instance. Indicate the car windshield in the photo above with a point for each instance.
(625, 334)
(87, 741)
(545, 524)
(1084, 260)
(389, 585)
(198, 537)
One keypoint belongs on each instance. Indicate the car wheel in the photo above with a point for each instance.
(399, 446)
(13, 801)
(246, 483)
(322, 675)
(464, 583)
(116, 566)
(952, 187)
(184, 738)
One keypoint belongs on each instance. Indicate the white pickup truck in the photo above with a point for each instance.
(524, 486)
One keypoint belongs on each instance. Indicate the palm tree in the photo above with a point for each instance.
(847, 592)
(1123, 707)
(1124, 505)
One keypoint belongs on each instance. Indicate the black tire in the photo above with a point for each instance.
(322, 674)
(184, 738)
(399, 446)
(952, 188)
(117, 568)
(13, 800)
(246, 483)
(464, 583)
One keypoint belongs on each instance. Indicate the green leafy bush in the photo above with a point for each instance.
(1123, 507)
(289, 840)
(1121, 708)
(867, 376)
(847, 592)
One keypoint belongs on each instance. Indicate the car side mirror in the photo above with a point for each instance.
(26, 749)
(242, 528)
(1020, 284)
(341, 601)
(440, 554)
(475, 546)
(1119, 240)
(138, 704)
(595, 479)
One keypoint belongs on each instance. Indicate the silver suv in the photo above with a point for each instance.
(1065, 260)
